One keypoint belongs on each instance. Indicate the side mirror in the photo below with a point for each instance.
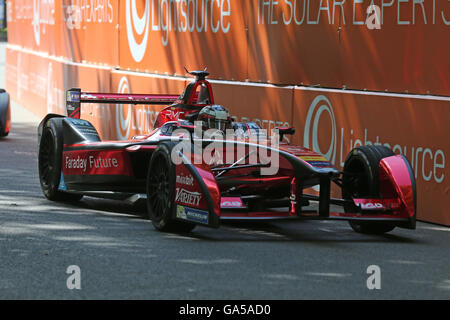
(285, 130)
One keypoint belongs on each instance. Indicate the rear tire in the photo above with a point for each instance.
(161, 192)
(49, 162)
(4, 101)
(361, 180)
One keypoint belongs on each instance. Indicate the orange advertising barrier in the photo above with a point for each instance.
(163, 37)
(327, 43)
(302, 42)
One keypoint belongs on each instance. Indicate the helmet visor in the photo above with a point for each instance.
(218, 124)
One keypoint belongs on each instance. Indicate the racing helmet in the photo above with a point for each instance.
(215, 117)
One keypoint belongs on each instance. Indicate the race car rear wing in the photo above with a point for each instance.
(74, 99)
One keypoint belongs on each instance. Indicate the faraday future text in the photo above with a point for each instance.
(229, 309)
(92, 162)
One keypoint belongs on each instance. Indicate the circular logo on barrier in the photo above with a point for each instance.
(36, 21)
(320, 105)
(139, 26)
(123, 123)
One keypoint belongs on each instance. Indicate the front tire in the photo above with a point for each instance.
(361, 180)
(49, 162)
(375, 228)
(161, 192)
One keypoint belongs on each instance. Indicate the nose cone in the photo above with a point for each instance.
(310, 157)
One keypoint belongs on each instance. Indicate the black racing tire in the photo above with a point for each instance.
(161, 205)
(361, 180)
(375, 228)
(50, 160)
(3, 126)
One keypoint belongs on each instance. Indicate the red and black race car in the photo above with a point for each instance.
(192, 175)
(5, 113)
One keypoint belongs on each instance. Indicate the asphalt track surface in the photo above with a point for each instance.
(121, 256)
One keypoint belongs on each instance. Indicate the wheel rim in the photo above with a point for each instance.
(159, 188)
(46, 158)
(356, 182)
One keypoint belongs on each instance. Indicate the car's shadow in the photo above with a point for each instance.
(275, 230)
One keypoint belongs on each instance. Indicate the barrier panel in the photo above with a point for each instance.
(165, 37)
(324, 43)
(328, 44)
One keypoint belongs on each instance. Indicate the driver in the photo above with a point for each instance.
(215, 117)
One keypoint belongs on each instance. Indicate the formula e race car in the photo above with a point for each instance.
(5, 113)
(191, 173)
